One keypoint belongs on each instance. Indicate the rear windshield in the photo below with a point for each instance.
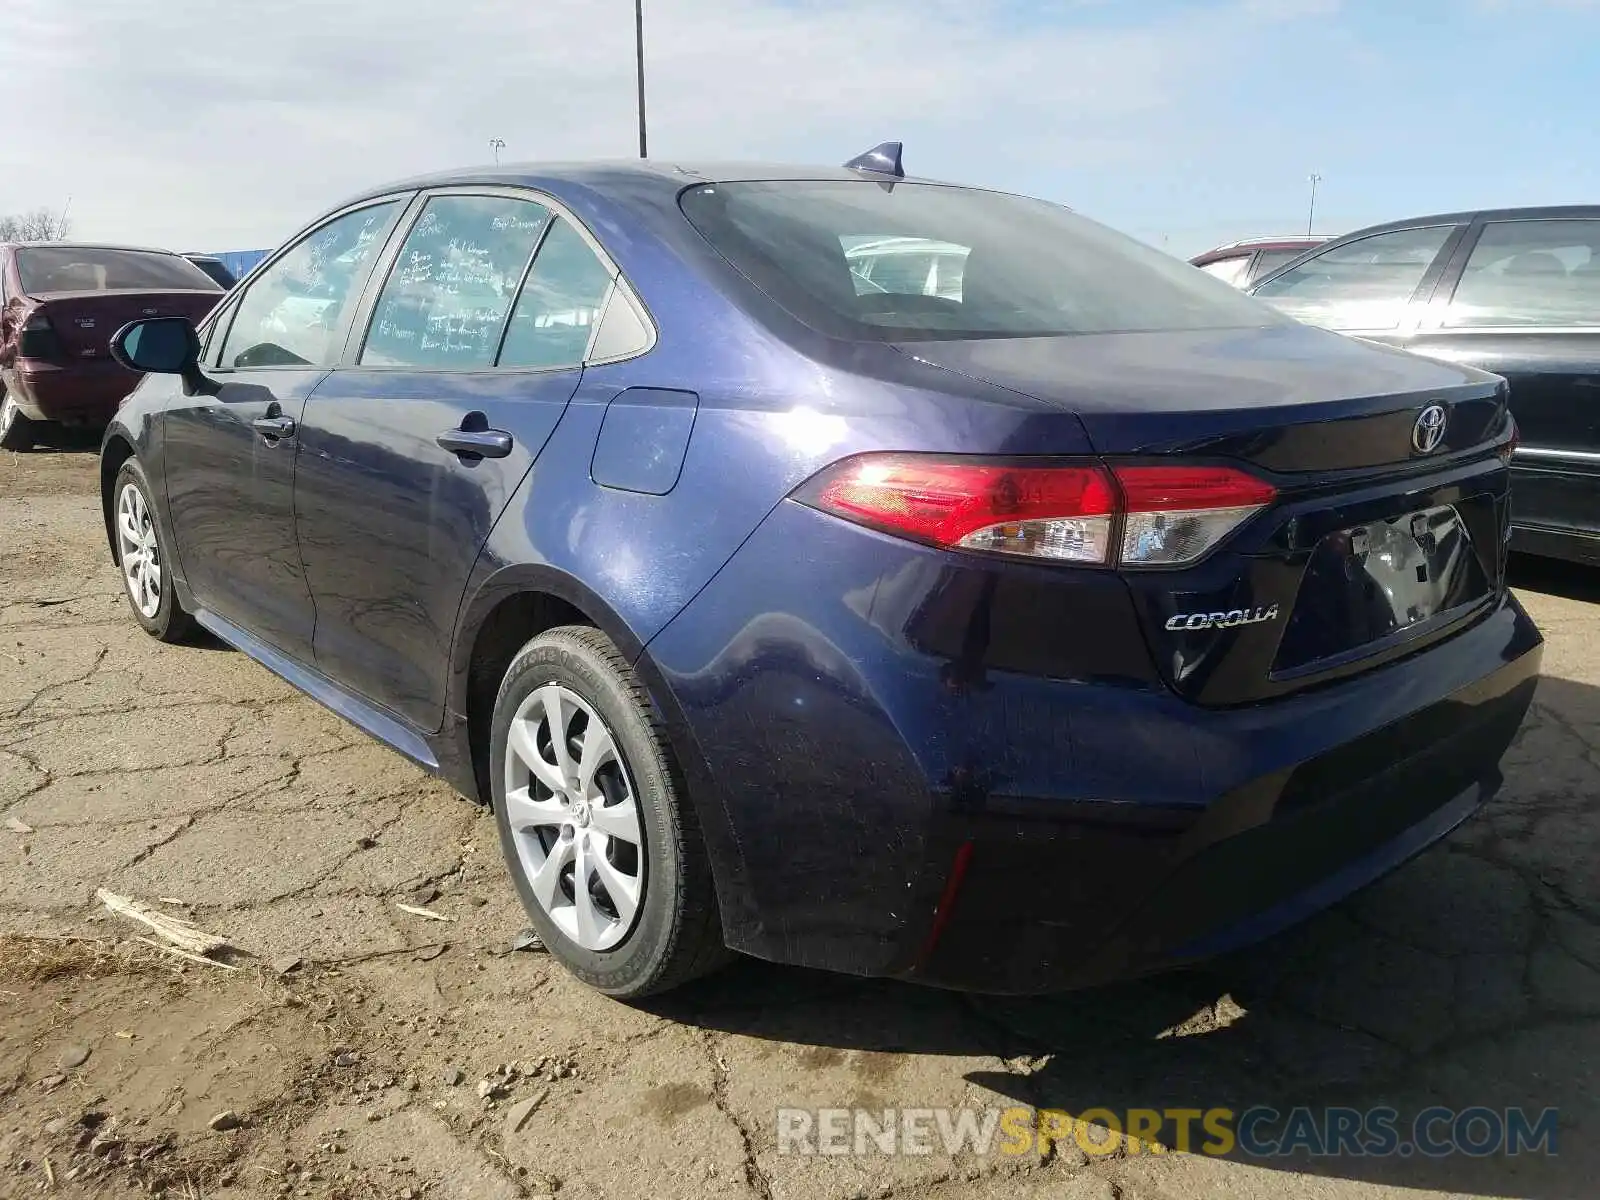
(88, 269)
(869, 261)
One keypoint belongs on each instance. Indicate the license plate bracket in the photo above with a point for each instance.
(1368, 585)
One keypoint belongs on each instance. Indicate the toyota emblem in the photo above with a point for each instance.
(1428, 432)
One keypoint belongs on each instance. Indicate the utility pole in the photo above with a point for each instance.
(1311, 216)
(496, 145)
(638, 49)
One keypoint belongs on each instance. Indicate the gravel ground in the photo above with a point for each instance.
(360, 1050)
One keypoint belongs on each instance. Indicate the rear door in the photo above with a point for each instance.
(229, 454)
(1523, 300)
(463, 361)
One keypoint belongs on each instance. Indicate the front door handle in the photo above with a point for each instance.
(478, 443)
(274, 427)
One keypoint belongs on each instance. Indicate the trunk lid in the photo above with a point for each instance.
(1375, 547)
(84, 322)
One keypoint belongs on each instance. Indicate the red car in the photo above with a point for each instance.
(60, 302)
(1243, 263)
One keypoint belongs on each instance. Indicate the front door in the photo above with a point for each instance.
(230, 450)
(409, 455)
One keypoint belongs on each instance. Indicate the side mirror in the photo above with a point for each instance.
(163, 346)
(159, 346)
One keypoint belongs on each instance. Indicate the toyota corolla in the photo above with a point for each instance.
(1080, 619)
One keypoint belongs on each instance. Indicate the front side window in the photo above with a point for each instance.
(1365, 284)
(445, 301)
(560, 303)
(1531, 273)
(67, 268)
(292, 314)
(945, 262)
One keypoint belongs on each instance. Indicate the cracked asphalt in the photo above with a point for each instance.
(367, 1051)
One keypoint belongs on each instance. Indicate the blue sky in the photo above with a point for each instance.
(1403, 108)
(205, 125)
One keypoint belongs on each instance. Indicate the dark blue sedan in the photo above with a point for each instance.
(854, 571)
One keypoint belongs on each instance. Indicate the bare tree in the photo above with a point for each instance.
(40, 225)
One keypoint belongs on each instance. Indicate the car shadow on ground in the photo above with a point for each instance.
(62, 439)
(1471, 977)
(1556, 577)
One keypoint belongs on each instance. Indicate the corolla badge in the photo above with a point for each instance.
(1223, 620)
(1428, 431)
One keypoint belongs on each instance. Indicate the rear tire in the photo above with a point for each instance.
(17, 432)
(608, 807)
(144, 559)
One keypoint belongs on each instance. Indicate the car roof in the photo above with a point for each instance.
(89, 246)
(605, 174)
(1251, 245)
(1532, 212)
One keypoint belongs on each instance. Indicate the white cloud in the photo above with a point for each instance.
(223, 123)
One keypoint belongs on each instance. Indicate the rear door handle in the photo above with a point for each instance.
(479, 443)
(274, 427)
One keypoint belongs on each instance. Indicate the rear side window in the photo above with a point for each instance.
(1229, 270)
(1531, 273)
(444, 304)
(66, 268)
(560, 304)
(861, 260)
(1365, 284)
(1269, 261)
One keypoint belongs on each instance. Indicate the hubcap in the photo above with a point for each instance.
(574, 817)
(138, 550)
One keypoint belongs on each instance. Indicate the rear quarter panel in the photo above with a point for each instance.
(776, 403)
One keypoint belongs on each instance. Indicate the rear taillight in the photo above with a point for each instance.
(1176, 514)
(1042, 512)
(1168, 516)
(1508, 448)
(38, 339)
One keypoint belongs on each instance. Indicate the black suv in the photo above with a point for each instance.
(1513, 291)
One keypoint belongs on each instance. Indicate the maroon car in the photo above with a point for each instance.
(1242, 263)
(60, 302)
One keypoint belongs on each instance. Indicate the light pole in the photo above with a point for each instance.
(1311, 216)
(638, 52)
(496, 145)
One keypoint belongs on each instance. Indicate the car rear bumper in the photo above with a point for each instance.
(1260, 859)
(86, 393)
(885, 795)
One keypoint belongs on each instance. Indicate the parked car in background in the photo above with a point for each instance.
(1085, 621)
(214, 267)
(60, 302)
(1513, 291)
(239, 263)
(1242, 263)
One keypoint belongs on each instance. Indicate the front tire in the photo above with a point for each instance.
(143, 559)
(600, 840)
(17, 432)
